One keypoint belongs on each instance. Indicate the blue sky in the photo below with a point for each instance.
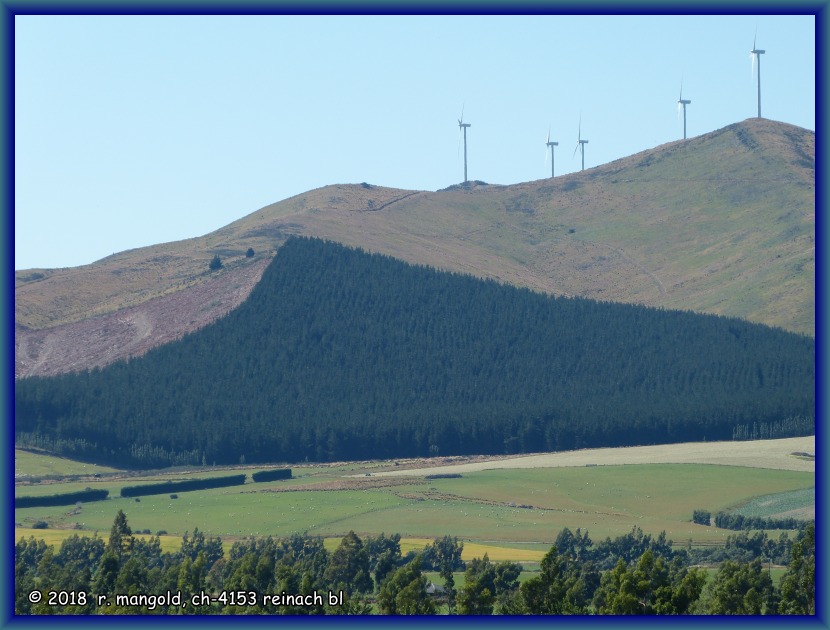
(137, 130)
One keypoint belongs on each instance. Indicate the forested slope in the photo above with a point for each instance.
(339, 354)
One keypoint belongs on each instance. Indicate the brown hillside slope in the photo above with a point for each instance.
(721, 223)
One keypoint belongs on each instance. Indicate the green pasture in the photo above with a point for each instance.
(235, 511)
(523, 509)
(114, 482)
(780, 505)
(635, 492)
(31, 464)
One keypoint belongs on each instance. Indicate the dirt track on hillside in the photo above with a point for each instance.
(774, 454)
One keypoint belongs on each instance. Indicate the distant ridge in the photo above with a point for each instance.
(721, 223)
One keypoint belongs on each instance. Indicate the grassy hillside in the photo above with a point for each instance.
(30, 464)
(722, 223)
(339, 354)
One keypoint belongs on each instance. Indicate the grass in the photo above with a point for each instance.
(635, 491)
(673, 210)
(481, 508)
(28, 464)
(510, 514)
(780, 504)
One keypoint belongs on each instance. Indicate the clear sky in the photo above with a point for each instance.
(137, 130)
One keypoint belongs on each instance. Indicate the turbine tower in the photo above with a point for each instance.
(580, 144)
(551, 145)
(757, 55)
(463, 126)
(683, 102)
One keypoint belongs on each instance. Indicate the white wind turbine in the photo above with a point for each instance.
(550, 144)
(462, 126)
(753, 54)
(681, 102)
(580, 144)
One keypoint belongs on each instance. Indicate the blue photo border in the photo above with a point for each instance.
(10, 8)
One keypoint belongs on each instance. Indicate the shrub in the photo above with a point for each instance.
(216, 263)
(272, 475)
(69, 498)
(182, 486)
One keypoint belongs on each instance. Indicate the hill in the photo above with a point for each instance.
(342, 355)
(722, 223)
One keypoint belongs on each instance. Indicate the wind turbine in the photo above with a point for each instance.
(463, 126)
(551, 145)
(683, 102)
(580, 144)
(757, 54)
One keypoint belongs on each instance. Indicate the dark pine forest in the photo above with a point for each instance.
(339, 354)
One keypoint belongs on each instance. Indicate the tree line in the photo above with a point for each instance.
(730, 520)
(64, 498)
(734, 521)
(89, 495)
(631, 575)
(343, 355)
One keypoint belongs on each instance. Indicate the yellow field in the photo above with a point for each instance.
(471, 550)
(55, 537)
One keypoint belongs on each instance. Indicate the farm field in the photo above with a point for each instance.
(511, 513)
(783, 454)
(55, 537)
(29, 464)
(796, 504)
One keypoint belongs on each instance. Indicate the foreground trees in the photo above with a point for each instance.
(298, 576)
(798, 587)
(348, 567)
(405, 592)
(489, 586)
(564, 586)
(741, 589)
(651, 587)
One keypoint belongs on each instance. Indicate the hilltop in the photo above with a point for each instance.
(722, 223)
